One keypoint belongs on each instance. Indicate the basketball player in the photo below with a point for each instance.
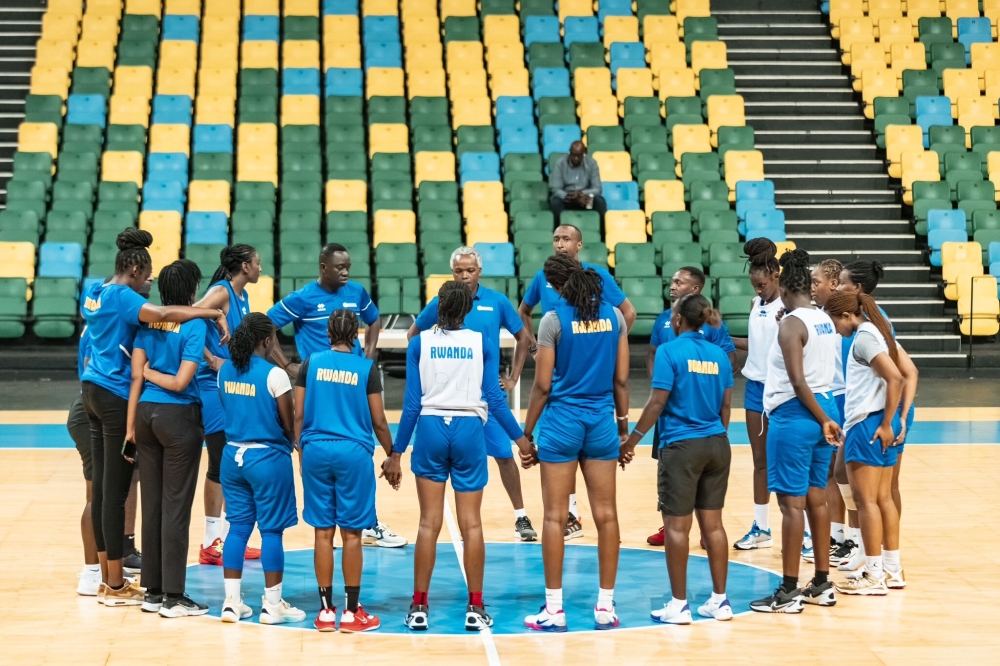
(451, 386)
(580, 391)
(338, 413)
(490, 312)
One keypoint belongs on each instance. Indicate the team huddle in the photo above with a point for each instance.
(164, 379)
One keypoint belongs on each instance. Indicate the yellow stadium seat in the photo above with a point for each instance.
(675, 83)
(906, 56)
(956, 9)
(991, 10)
(883, 9)
(978, 306)
(469, 82)
(49, 81)
(60, 27)
(457, 8)
(300, 54)
(490, 222)
(55, 54)
(122, 167)
(175, 81)
(876, 83)
(221, 52)
(341, 29)
(620, 29)
(261, 294)
(260, 7)
(163, 254)
(437, 166)
(228, 8)
(425, 83)
(959, 83)
(505, 56)
(388, 138)
(414, 8)
(510, 83)
(463, 55)
(960, 262)
(634, 83)
(165, 225)
(220, 29)
(663, 195)
(134, 81)
(190, 7)
(708, 55)
(346, 195)
(170, 139)
(384, 81)
(591, 82)
(918, 9)
(68, 7)
(419, 56)
(985, 57)
(215, 110)
(690, 8)
(615, 167)
(894, 31)
(394, 226)
(341, 55)
(728, 111)
(380, 8)
(742, 165)
(146, 7)
(659, 30)
(601, 111)
(421, 30)
(125, 109)
(840, 9)
(692, 139)
(855, 30)
(901, 139)
(624, 226)
(491, 236)
(99, 27)
(259, 167)
(92, 53)
(783, 247)
(209, 196)
(218, 81)
(575, 8)
(180, 53)
(17, 260)
(262, 135)
(667, 55)
(470, 111)
(918, 166)
(301, 8)
(967, 252)
(300, 110)
(433, 284)
(259, 55)
(482, 198)
(38, 138)
(866, 56)
(993, 167)
(974, 112)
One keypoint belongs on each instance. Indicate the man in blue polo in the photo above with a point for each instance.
(490, 312)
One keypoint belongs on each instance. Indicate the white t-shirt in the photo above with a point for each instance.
(278, 382)
(761, 334)
(818, 357)
(865, 389)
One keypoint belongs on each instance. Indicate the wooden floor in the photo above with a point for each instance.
(949, 549)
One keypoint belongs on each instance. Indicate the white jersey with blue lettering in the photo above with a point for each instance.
(451, 373)
(761, 333)
(818, 358)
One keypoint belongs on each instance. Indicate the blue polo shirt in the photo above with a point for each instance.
(539, 290)
(309, 309)
(663, 333)
(167, 345)
(111, 313)
(490, 312)
(697, 374)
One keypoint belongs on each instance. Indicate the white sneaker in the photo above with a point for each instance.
(854, 562)
(755, 538)
(866, 585)
(722, 610)
(234, 610)
(605, 619)
(895, 580)
(89, 582)
(381, 535)
(543, 620)
(807, 548)
(857, 573)
(280, 612)
(672, 614)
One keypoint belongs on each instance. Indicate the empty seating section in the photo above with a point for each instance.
(929, 74)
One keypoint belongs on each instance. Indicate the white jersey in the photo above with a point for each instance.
(761, 334)
(865, 389)
(817, 359)
(837, 385)
(451, 373)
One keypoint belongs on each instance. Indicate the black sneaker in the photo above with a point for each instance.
(152, 602)
(133, 563)
(524, 531)
(779, 602)
(416, 619)
(819, 595)
(844, 552)
(573, 529)
(182, 606)
(476, 618)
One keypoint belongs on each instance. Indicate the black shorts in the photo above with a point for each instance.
(693, 474)
(78, 425)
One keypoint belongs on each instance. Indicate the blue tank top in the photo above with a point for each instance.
(336, 404)
(251, 410)
(208, 380)
(586, 356)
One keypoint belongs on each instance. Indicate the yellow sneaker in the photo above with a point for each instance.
(866, 585)
(129, 595)
(895, 580)
(101, 591)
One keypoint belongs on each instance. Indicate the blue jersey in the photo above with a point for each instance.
(167, 345)
(336, 405)
(309, 309)
(208, 379)
(111, 313)
(250, 400)
(663, 333)
(586, 356)
(490, 312)
(83, 352)
(697, 374)
(540, 291)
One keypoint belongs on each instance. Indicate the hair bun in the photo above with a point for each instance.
(132, 238)
(878, 269)
(794, 257)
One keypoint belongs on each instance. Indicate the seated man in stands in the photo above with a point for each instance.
(575, 183)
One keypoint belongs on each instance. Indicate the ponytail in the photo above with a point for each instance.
(254, 329)
(861, 304)
(231, 260)
(697, 311)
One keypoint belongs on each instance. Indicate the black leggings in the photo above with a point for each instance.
(108, 414)
(216, 444)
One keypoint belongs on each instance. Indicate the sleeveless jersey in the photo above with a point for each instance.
(762, 333)
(337, 399)
(451, 373)
(818, 356)
(586, 355)
(239, 308)
(251, 410)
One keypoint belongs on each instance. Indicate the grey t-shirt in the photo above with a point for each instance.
(550, 329)
(866, 348)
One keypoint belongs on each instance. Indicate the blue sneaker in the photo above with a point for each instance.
(755, 538)
(807, 548)
(543, 620)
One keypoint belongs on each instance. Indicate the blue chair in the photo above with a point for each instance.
(994, 252)
(762, 223)
(613, 8)
(261, 29)
(164, 190)
(206, 228)
(550, 82)
(946, 219)
(744, 208)
(181, 27)
(753, 195)
(344, 82)
(167, 167)
(558, 138)
(973, 31)
(383, 54)
(627, 54)
(514, 120)
(60, 260)
(621, 196)
(479, 167)
(519, 139)
(498, 258)
(340, 7)
(300, 81)
(213, 139)
(514, 106)
(380, 29)
(580, 29)
(541, 29)
(938, 237)
(86, 110)
(89, 282)
(172, 110)
(933, 111)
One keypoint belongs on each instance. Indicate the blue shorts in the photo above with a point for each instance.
(451, 446)
(261, 490)
(798, 457)
(497, 441)
(909, 428)
(858, 446)
(841, 400)
(567, 433)
(753, 399)
(213, 418)
(338, 485)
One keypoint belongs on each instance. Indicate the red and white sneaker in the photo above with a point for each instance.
(351, 623)
(655, 539)
(211, 554)
(252, 554)
(326, 620)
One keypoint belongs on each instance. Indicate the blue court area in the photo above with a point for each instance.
(514, 586)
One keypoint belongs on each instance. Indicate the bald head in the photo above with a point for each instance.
(568, 240)
(576, 152)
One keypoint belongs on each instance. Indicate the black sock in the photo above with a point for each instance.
(353, 592)
(155, 591)
(326, 597)
(821, 577)
(117, 588)
(789, 583)
(129, 544)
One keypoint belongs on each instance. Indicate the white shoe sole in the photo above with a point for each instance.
(132, 571)
(572, 535)
(151, 607)
(372, 541)
(760, 544)
(270, 619)
(117, 603)
(86, 591)
(824, 601)
(721, 616)
(866, 592)
(178, 611)
(676, 620)
(474, 623)
(521, 537)
(416, 622)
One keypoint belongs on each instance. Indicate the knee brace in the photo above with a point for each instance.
(845, 492)
(272, 551)
(236, 546)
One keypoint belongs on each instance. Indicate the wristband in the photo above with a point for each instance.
(621, 418)
(636, 431)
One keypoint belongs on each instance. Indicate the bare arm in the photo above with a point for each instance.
(522, 341)
(725, 412)
(628, 312)
(175, 383)
(621, 386)
(412, 331)
(371, 339)
(743, 344)
(300, 401)
(910, 376)
(135, 390)
(179, 314)
(655, 403)
(524, 312)
(286, 414)
(883, 366)
(545, 361)
(217, 298)
(736, 361)
(390, 466)
(282, 361)
(792, 336)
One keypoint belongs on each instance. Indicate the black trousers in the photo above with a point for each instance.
(558, 205)
(112, 474)
(168, 438)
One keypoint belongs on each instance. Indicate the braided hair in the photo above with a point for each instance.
(762, 255)
(342, 328)
(580, 287)
(254, 329)
(795, 274)
(866, 274)
(697, 311)
(831, 269)
(231, 260)
(132, 244)
(454, 302)
(178, 282)
(863, 305)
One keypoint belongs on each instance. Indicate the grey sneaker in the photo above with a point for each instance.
(133, 563)
(573, 529)
(416, 619)
(152, 602)
(755, 538)
(476, 618)
(183, 606)
(819, 595)
(524, 531)
(779, 602)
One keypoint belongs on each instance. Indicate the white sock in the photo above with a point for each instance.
(718, 598)
(837, 532)
(761, 515)
(676, 604)
(805, 517)
(874, 564)
(213, 531)
(572, 505)
(233, 588)
(225, 527)
(553, 600)
(96, 568)
(273, 594)
(520, 513)
(890, 560)
(606, 599)
(854, 534)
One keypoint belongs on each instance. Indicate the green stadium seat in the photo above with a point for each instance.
(594, 253)
(337, 221)
(126, 138)
(609, 139)
(700, 29)
(715, 220)
(531, 258)
(635, 260)
(661, 238)
(461, 29)
(709, 195)
(436, 138)
(44, 109)
(531, 237)
(545, 54)
(399, 295)
(735, 311)
(205, 255)
(534, 221)
(396, 260)
(386, 110)
(91, 81)
(54, 307)
(13, 307)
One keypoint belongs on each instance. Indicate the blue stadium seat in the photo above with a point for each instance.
(213, 139)
(994, 252)
(766, 223)
(60, 260)
(627, 54)
(86, 110)
(754, 195)
(345, 82)
(167, 167)
(479, 167)
(88, 282)
(383, 54)
(206, 228)
(558, 138)
(580, 29)
(380, 29)
(182, 27)
(621, 196)
(171, 192)
(172, 110)
(938, 237)
(541, 29)
(519, 139)
(550, 82)
(512, 111)
(498, 258)
(340, 7)
(973, 31)
(932, 111)
(261, 29)
(613, 8)
(300, 81)
(946, 219)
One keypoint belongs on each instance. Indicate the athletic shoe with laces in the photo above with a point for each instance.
(416, 619)
(779, 602)
(326, 620)
(476, 618)
(211, 554)
(819, 595)
(523, 529)
(844, 552)
(807, 548)
(656, 539)
(234, 610)
(351, 623)
(102, 590)
(721, 610)
(573, 529)
(867, 585)
(605, 619)
(854, 562)
(152, 602)
(543, 620)
(857, 573)
(251, 553)
(755, 538)
(381, 535)
(90, 583)
(671, 614)
(279, 613)
(182, 606)
(133, 563)
(895, 580)
(130, 594)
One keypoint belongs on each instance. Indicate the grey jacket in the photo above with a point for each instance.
(565, 178)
